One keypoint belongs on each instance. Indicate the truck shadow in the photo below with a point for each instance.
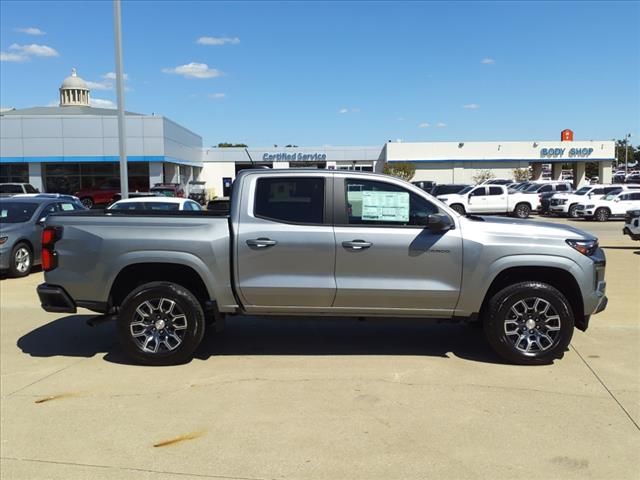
(70, 336)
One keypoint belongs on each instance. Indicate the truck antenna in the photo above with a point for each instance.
(253, 164)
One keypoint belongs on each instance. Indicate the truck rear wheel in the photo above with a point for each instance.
(522, 210)
(529, 323)
(161, 323)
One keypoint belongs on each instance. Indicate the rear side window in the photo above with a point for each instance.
(10, 189)
(598, 191)
(610, 189)
(545, 188)
(30, 189)
(495, 191)
(634, 196)
(290, 199)
(563, 187)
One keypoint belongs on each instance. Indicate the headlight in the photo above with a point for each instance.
(589, 206)
(585, 247)
(561, 202)
(442, 199)
(3, 239)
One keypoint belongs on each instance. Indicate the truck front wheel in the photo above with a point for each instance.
(529, 323)
(161, 323)
(458, 208)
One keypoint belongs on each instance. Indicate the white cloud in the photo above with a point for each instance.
(31, 31)
(12, 57)
(218, 41)
(34, 50)
(471, 106)
(101, 103)
(441, 125)
(400, 119)
(112, 76)
(99, 85)
(348, 110)
(194, 70)
(343, 110)
(424, 125)
(487, 61)
(216, 95)
(5, 109)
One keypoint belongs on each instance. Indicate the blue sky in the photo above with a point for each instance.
(343, 73)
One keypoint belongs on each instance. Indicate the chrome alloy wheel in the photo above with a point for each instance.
(158, 325)
(22, 260)
(532, 325)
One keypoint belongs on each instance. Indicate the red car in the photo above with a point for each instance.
(168, 189)
(100, 195)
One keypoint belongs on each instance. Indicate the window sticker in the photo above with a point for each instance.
(385, 206)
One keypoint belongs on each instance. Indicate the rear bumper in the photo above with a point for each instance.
(55, 299)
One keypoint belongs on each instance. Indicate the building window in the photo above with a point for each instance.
(70, 178)
(14, 173)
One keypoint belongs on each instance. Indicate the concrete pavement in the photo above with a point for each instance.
(321, 399)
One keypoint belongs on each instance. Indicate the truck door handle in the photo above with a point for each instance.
(357, 244)
(261, 242)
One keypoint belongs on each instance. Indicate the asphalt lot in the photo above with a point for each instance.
(322, 399)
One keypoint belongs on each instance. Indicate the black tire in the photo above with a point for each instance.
(507, 332)
(458, 208)
(87, 202)
(573, 212)
(522, 210)
(602, 214)
(159, 329)
(21, 260)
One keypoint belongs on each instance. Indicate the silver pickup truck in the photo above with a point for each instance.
(323, 243)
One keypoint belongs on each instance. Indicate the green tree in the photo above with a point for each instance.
(521, 174)
(231, 145)
(482, 175)
(634, 153)
(403, 170)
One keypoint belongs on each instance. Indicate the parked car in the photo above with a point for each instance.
(616, 204)
(545, 201)
(118, 196)
(101, 195)
(220, 205)
(60, 196)
(426, 185)
(565, 204)
(288, 247)
(520, 186)
(632, 224)
(446, 189)
(198, 191)
(633, 178)
(488, 199)
(11, 189)
(156, 203)
(537, 189)
(168, 189)
(21, 223)
(497, 181)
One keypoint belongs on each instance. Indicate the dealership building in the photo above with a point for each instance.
(72, 146)
(75, 146)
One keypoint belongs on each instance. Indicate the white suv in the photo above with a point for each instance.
(616, 204)
(566, 203)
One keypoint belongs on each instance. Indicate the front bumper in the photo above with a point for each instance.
(559, 209)
(55, 299)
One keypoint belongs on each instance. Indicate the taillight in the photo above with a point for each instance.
(50, 235)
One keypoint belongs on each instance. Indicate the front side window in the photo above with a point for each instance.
(478, 192)
(290, 199)
(379, 203)
(29, 189)
(634, 196)
(598, 191)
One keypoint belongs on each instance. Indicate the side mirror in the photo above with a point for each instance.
(41, 221)
(589, 195)
(437, 222)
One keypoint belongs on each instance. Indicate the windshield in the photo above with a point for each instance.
(582, 191)
(465, 190)
(145, 206)
(17, 212)
(167, 192)
(612, 195)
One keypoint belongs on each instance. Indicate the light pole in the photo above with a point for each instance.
(124, 175)
(626, 154)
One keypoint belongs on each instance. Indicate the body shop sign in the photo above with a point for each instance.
(565, 152)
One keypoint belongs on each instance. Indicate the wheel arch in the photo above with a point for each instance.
(559, 278)
(137, 274)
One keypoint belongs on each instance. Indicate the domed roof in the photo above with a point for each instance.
(74, 81)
